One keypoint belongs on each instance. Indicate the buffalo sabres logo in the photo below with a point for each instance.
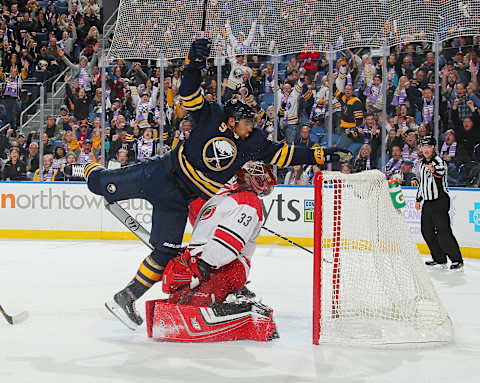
(219, 153)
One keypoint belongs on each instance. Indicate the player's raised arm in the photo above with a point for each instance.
(190, 90)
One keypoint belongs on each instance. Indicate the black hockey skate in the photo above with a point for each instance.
(437, 265)
(457, 266)
(75, 170)
(123, 308)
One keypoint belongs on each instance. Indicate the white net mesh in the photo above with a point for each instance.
(374, 288)
(147, 28)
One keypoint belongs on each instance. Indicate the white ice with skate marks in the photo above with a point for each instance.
(71, 337)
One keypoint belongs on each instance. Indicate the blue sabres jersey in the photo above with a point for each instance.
(213, 154)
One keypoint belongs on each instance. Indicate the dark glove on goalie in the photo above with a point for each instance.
(198, 53)
(325, 155)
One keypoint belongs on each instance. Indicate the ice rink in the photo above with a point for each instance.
(70, 337)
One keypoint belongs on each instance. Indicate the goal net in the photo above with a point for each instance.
(147, 28)
(370, 285)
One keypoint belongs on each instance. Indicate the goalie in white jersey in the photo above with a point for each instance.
(215, 265)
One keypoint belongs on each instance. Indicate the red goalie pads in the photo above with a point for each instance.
(184, 323)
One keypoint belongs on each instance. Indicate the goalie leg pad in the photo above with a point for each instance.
(223, 281)
(216, 323)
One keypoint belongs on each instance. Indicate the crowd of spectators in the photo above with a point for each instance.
(137, 128)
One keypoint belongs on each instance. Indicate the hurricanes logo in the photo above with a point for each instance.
(207, 213)
(219, 153)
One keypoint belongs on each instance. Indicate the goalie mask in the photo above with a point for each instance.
(257, 177)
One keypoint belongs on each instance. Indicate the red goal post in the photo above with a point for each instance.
(369, 282)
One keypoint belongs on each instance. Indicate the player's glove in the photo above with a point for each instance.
(325, 155)
(184, 272)
(198, 53)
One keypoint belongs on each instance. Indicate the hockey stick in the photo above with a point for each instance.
(15, 319)
(204, 17)
(287, 240)
(143, 235)
(129, 222)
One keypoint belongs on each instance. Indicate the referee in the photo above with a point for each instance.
(435, 221)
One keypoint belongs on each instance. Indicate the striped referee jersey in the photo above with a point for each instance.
(433, 185)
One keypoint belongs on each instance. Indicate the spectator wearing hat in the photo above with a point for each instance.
(15, 169)
(82, 132)
(22, 145)
(64, 121)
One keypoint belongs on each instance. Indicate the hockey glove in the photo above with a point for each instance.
(325, 155)
(198, 53)
(184, 272)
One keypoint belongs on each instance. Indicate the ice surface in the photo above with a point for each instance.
(70, 337)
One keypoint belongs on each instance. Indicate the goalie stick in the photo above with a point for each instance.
(14, 319)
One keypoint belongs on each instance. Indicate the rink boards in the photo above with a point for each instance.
(70, 211)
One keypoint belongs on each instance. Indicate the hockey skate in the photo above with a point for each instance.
(436, 265)
(456, 266)
(75, 170)
(122, 306)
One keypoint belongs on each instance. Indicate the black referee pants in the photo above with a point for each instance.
(437, 231)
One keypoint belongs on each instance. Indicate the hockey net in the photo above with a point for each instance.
(370, 286)
(147, 28)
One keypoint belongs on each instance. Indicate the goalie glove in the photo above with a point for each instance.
(198, 53)
(325, 155)
(184, 272)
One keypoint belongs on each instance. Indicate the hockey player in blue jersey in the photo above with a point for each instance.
(220, 143)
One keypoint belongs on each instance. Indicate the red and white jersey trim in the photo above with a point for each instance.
(227, 228)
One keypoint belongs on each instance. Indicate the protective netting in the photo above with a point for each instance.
(373, 287)
(147, 28)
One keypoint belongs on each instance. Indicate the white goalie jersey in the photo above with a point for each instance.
(227, 228)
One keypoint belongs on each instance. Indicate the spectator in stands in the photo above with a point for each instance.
(406, 176)
(346, 168)
(304, 139)
(351, 115)
(146, 146)
(410, 149)
(125, 141)
(86, 153)
(295, 176)
(364, 160)
(120, 161)
(467, 132)
(59, 158)
(47, 144)
(82, 71)
(22, 146)
(393, 165)
(81, 103)
(15, 169)
(51, 127)
(49, 172)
